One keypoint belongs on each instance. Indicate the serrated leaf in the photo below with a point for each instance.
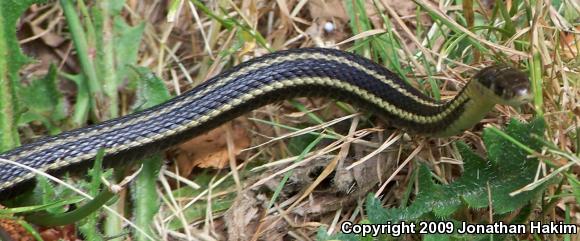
(144, 188)
(375, 210)
(11, 59)
(501, 151)
(480, 173)
(43, 101)
(10, 11)
(125, 48)
(507, 169)
(514, 169)
(151, 91)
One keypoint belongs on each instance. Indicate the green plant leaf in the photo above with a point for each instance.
(575, 187)
(151, 91)
(144, 189)
(513, 169)
(11, 59)
(125, 48)
(82, 99)
(43, 101)
(90, 79)
(507, 169)
(114, 7)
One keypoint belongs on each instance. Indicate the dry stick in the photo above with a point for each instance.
(173, 202)
(217, 64)
(392, 139)
(409, 158)
(50, 27)
(200, 195)
(489, 200)
(304, 131)
(542, 180)
(333, 165)
(333, 146)
(232, 157)
(329, 148)
(201, 30)
(409, 33)
(208, 211)
(361, 35)
(301, 33)
(334, 222)
(179, 178)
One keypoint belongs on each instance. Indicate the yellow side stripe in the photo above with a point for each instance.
(221, 82)
(324, 81)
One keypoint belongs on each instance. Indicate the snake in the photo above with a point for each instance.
(273, 77)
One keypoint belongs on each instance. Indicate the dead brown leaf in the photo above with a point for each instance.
(343, 189)
(210, 150)
(242, 221)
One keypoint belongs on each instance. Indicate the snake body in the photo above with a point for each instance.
(273, 77)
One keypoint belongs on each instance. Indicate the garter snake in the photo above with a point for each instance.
(273, 77)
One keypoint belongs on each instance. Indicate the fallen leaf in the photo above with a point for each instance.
(210, 150)
(242, 221)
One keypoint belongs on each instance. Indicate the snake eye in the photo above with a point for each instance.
(509, 85)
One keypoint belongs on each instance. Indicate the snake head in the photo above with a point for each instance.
(508, 85)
